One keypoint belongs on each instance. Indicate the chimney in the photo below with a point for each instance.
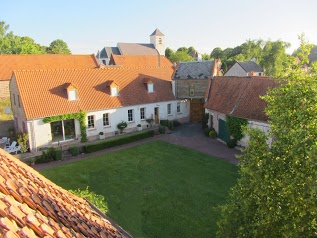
(216, 67)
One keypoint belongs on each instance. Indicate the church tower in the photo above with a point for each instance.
(157, 38)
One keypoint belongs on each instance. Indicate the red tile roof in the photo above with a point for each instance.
(33, 206)
(8, 63)
(240, 96)
(43, 92)
(140, 61)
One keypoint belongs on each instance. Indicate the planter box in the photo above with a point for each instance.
(101, 137)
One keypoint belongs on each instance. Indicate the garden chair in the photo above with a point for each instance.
(12, 148)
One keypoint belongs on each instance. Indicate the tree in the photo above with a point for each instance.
(276, 193)
(274, 58)
(168, 53)
(58, 47)
(180, 56)
(216, 53)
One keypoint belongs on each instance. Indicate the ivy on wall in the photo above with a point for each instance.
(235, 126)
(80, 116)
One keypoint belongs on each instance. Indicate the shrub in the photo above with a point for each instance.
(101, 133)
(231, 143)
(207, 130)
(49, 155)
(122, 125)
(74, 150)
(164, 123)
(23, 141)
(176, 123)
(213, 134)
(150, 121)
(118, 141)
(170, 125)
(162, 129)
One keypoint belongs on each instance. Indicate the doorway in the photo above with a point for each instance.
(156, 115)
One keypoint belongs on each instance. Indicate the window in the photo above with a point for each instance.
(142, 113)
(150, 87)
(72, 95)
(130, 115)
(63, 130)
(19, 101)
(169, 109)
(160, 41)
(114, 90)
(178, 107)
(14, 99)
(91, 122)
(106, 119)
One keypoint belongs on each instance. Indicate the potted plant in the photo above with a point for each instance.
(139, 126)
(32, 161)
(122, 125)
(150, 121)
(101, 135)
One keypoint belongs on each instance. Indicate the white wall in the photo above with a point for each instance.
(40, 132)
(236, 70)
(264, 127)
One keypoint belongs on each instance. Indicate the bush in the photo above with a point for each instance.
(74, 150)
(176, 123)
(49, 155)
(231, 143)
(162, 129)
(170, 125)
(207, 130)
(122, 125)
(164, 123)
(213, 134)
(118, 141)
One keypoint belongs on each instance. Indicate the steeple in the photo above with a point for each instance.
(157, 38)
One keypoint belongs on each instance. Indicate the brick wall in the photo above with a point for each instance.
(4, 89)
(190, 88)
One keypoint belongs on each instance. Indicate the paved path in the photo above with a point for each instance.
(188, 135)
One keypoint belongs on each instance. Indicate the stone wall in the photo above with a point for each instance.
(4, 126)
(190, 88)
(4, 89)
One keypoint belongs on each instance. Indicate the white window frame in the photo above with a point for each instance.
(142, 113)
(114, 90)
(91, 120)
(150, 87)
(105, 117)
(169, 109)
(178, 108)
(130, 115)
(72, 94)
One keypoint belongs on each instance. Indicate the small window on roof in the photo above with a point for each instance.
(72, 92)
(114, 90)
(150, 87)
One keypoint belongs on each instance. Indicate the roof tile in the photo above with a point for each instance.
(47, 211)
(140, 61)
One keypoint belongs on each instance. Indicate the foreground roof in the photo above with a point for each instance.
(240, 96)
(140, 61)
(250, 66)
(137, 49)
(44, 92)
(33, 206)
(8, 63)
(194, 70)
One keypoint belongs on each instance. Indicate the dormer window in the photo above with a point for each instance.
(72, 92)
(114, 89)
(149, 85)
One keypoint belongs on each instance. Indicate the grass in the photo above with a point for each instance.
(5, 102)
(156, 189)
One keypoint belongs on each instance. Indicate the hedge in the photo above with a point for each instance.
(118, 141)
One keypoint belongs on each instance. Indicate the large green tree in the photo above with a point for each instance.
(276, 193)
(58, 47)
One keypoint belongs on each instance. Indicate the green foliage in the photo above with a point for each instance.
(122, 125)
(236, 126)
(176, 123)
(150, 121)
(207, 131)
(213, 134)
(181, 55)
(170, 125)
(276, 193)
(80, 116)
(74, 150)
(4, 103)
(49, 155)
(97, 200)
(231, 143)
(58, 47)
(216, 53)
(162, 129)
(23, 139)
(118, 141)
(164, 122)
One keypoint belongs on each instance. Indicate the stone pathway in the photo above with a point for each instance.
(188, 135)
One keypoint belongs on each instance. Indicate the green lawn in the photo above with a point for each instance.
(5, 102)
(156, 189)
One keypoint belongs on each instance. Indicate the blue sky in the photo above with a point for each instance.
(87, 26)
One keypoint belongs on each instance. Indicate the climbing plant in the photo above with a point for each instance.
(80, 116)
(235, 126)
